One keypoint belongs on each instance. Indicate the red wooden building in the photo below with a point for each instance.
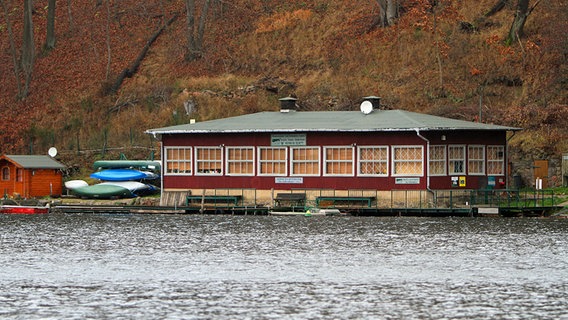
(370, 149)
(30, 176)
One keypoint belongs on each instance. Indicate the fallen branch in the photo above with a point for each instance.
(129, 72)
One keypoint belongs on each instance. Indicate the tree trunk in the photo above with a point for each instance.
(50, 38)
(70, 15)
(382, 21)
(12, 48)
(392, 11)
(109, 57)
(28, 48)
(191, 49)
(388, 12)
(195, 41)
(129, 72)
(438, 53)
(201, 28)
(497, 7)
(521, 15)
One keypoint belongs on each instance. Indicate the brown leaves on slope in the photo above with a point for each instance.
(77, 67)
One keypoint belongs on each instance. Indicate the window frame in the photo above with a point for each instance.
(395, 161)
(470, 160)
(5, 173)
(260, 161)
(327, 162)
(167, 161)
(293, 162)
(197, 161)
(360, 161)
(228, 161)
(453, 160)
(443, 160)
(499, 148)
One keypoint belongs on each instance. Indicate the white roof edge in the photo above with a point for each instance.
(157, 132)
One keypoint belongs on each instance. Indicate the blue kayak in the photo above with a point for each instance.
(118, 175)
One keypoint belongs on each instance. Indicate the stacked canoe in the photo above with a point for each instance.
(115, 183)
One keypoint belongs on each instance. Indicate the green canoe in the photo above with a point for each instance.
(121, 164)
(103, 191)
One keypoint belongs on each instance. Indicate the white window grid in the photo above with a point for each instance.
(437, 160)
(272, 163)
(241, 166)
(334, 163)
(312, 163)
(373, 161)
(476, 160)
(178, 161)
(407, 161)
(456, 159)
(209, 161)
(495, 160)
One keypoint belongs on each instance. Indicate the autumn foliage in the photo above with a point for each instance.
(439, 57)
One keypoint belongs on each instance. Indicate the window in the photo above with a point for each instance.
(19, 175)
(178, 160)
(373, 161)
(5, 174)
(272, 161)
(495, 160)
(407, 161)
(208, 160)
(437, 161)
(305, 161)
(240, 161)
(338, 161)
(476, 160)
(456, 157)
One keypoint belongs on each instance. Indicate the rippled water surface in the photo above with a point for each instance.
(264, 267)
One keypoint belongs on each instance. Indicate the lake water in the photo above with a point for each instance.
(266, 267)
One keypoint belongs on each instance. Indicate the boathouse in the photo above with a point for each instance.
(372, 149)
(29, 176)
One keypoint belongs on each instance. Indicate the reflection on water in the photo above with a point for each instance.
(263, 267)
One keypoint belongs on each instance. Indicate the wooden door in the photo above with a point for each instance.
(541, 171)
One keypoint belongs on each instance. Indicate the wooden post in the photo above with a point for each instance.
(202, 209)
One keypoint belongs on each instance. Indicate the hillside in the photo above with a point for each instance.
(445, 60)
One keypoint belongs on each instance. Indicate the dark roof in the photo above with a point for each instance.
(336, 121)
(34, 162)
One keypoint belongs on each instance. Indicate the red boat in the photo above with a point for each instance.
(8, 209)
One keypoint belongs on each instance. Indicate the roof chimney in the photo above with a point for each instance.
(287, 104)
(374, 100)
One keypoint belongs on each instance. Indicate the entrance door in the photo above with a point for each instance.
(541, 171)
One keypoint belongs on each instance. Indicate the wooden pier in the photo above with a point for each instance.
(259, 210)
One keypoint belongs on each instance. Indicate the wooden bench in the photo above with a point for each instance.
(227, 199)
(291, 199)
(346, 201)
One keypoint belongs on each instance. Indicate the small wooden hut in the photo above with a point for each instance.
(30, 176)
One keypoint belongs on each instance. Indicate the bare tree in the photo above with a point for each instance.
(195, 35)
(498, 6)
(12, 47)
(521, 14)
(28, 48)
(388, 12)
(70, 15)
(107, 27)
(50, 38)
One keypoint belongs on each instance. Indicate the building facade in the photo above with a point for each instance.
(30, 176)
(341, 150)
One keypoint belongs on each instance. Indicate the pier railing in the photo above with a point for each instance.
(391, 199)
(424, 199)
